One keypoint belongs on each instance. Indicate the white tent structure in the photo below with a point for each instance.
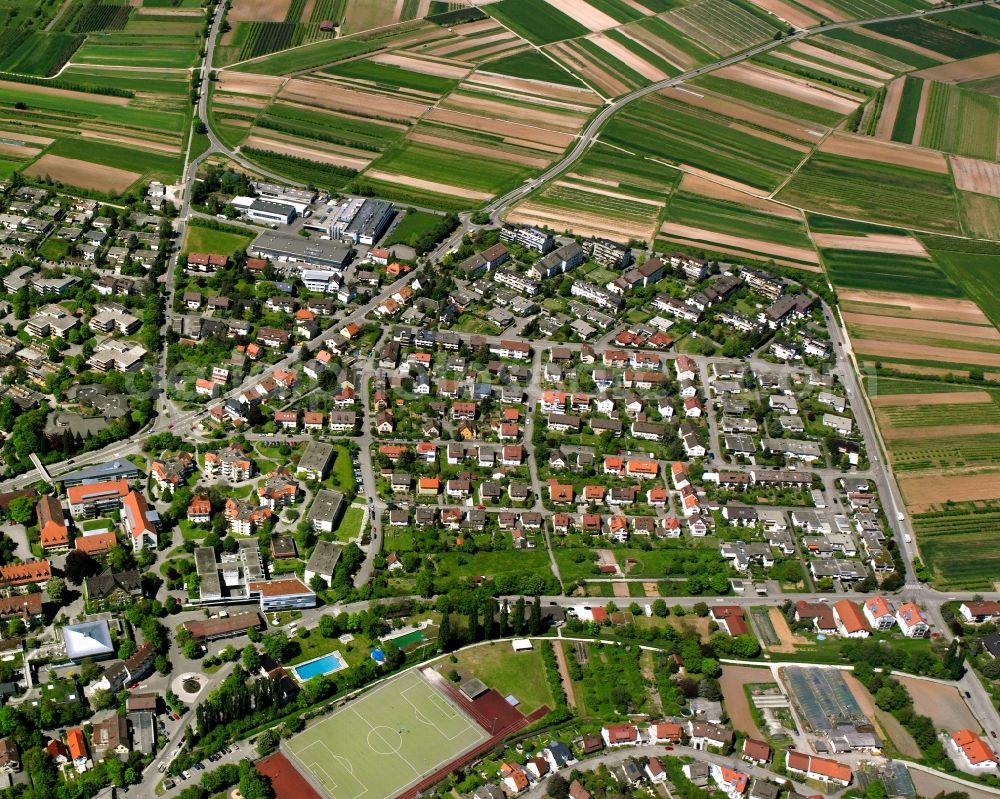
(90, 639)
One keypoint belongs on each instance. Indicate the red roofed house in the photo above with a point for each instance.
(199, 510)
(620, 734)
(665, 731)
(730, 619)
(973, 750)
(15, 575)
(880, 614)
(730, 781)
(140, 522)
(655, 771)
(818, 768)
(52, 523)
(642, 469)
(77, 743)
(756, 751)
(911, 621)
(979, 612)
(851, 622)
(514, 778)
(96, 543)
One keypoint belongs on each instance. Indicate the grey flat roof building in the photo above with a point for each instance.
(326, 509)
(112, 470)
(316, 460)
(281, 247)
(323, 561)
(371, 220)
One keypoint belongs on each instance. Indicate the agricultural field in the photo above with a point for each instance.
(99, 142)
(973, 265)
(723, 26)
(937, 37)
(536, 20)
(145, 41)
(873, 269)
(878, 51)
(606, 193)
(960, 121)
(32, 53)
(531, 65)
(965, 527)
(660, 127)
(843, 178)
(705, 214)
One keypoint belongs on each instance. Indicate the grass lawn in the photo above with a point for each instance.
(203, 239)
(98, 524)
(54, 249)
(519, 673)
(350, 523)
(343, 472)
(192, 532)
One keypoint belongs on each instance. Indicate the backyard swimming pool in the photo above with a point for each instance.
(325, 664)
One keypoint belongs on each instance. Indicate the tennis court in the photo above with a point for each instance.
(385, 741)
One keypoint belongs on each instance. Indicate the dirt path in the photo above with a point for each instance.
(557, 647)
(789, 642)
(649, 675)
(737, 706)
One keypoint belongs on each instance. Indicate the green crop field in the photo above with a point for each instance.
(357, 132)
(982, 21)
(392, 77)
(535, 20)
(973, 265)
(661, 128)
(857, 269)
(618, 9)
(772, 101)
(860, 9)
(645, 186)
(874, 190)
(736, 219)
(31, 53)
(961, 121)
(590, 51)
(415, 223)
(899, 55)
(429, 162)
(962, 528)
(723, 26)
(534, 65)
(921, 416)
(939, 38)
(945, 452)
(905, 123)
(319, 54)
(385, 741)
(657, 29)
(643, 52)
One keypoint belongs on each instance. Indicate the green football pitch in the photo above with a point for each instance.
(384, 742)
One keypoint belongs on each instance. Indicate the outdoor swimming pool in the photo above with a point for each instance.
(325, 664)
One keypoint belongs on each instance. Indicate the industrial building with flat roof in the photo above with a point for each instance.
(283, 248)
(370, 222)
